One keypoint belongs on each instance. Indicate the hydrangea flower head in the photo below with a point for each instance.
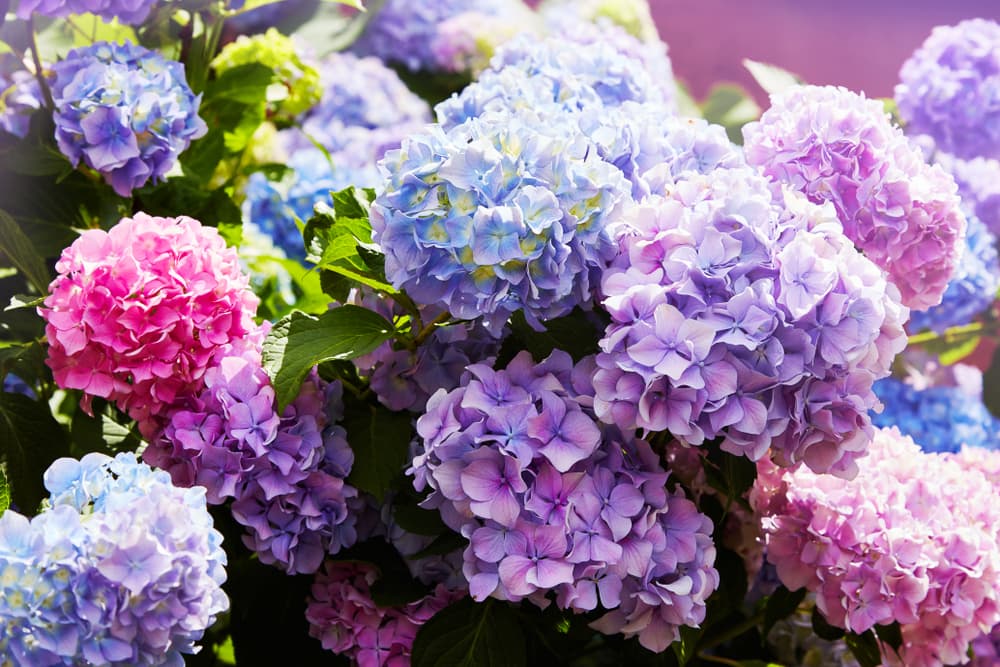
(137, 313)
(125, 111)
(896, 544)
(978, 182)
(972, 288)
(20, 96)
(834, 145)
(129, 12)
(633, 16)
(950, 89)
(743, 312)
(125, 569)
(939, 419)
(497, 215)
(299, 80)
(466, 42)
(552, 502)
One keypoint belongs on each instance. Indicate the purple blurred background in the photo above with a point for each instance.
(860, 44)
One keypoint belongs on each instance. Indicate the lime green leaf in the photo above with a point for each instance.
(299, 341)
(4, 492)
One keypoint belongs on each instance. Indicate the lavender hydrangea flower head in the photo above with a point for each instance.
(125, 111)
(553, 502)
(20, 96)
(896, 544)
(497, 215)
(129, 12)
(950, 89)
(742, 312)
(466, 42)
(972, 288)
(939, 419)
(632, 16)
(834, 145)
(125, 569)
(978, 182)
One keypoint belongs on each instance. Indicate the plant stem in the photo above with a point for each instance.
(430, 328)
(42, 83)
(719, 659)
(733, 632)
(950, 335)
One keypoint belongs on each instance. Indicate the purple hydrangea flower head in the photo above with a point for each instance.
(939, 419)
(743, 312)
(125, 111)
(497, 215)
(972, 288)
(466, 41)
(129, 12)
(405, 32)
(893, 545)
(124, 568)
(286, 471)
(950, 89)
(978, 182)
(20, 96)
(554, 502)
(277, 208)
(834, 145)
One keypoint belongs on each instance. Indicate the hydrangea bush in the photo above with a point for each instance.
(456, 333)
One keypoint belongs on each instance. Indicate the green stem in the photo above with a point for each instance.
(950, 335)
(430, 328)
(719, 659)
(733, 632)
(36, 58)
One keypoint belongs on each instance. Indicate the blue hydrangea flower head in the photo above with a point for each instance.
(125, 111)
(20, 96)
(502, 213)
(950, 89)
(129, 12)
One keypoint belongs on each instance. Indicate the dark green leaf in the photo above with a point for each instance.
(299, 341)
(380, 440)
(335, 285)
(576, 334)
(686, 647)
(467, 634)
(991, 386)
(22, 254)
(30, 440)
(417, 520)
(864, 648)
(729, 474)
(443, 544)
(781, 604)
(891, 635)
(200, 160)
(394, 585)
(823, 629)
(185, 195)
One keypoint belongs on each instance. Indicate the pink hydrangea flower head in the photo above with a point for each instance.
(834, 145)
(912, 539)
(137, 313)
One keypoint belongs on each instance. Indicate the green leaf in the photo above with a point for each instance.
(414, 519)
(892, 635)
(4, 492)
(20, 301)
(22, 254)
(731, 107)
(380, 440)
(823, 629)
(299, 341)
(243, 84)
(951, 353)
(781, 604)
(771, 78)
(185, 195)
(864, 648)
(395, 585)
(468, 634)
(729, 474)
(576, 334)
(232, 232)
(30, 440)
(204, 155)
(686, 647)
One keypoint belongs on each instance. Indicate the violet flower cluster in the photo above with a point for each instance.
(121, 568)
(286, 471)
(129, 12)
(136, 314)
(553, 502)
(499, 214)
(978, 182)
(343, 616)
(939, 419)
(125, 111)
(467, 41)
(973, 287)
(836, 146)
(744, 315)
(950, 89)
(403, 378)
(896, 544)
(20, 96)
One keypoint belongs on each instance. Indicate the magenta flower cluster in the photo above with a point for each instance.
(120, 568)
(136, 314)
(286, 471)
(343, 616)
(896, 544)
(950, 89)
(125, 111)
(552, 502)
(742, 314)
(836, 146)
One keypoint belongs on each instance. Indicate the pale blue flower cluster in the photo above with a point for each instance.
(502, 213)
(972, 288)
(121, 568)
(125, 111)
(939, 419)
